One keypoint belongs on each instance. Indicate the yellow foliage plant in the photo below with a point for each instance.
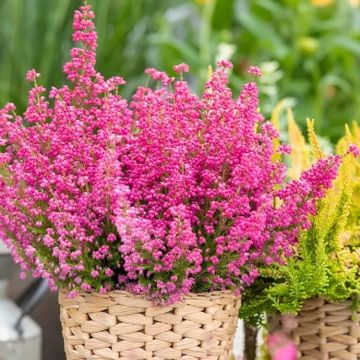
(327, 257)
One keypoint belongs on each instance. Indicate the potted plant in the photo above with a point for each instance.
(151, 216)
(320, 284)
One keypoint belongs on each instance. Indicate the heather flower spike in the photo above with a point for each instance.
(166, 194)
(32, 75)
(354, 150)
(254, 71)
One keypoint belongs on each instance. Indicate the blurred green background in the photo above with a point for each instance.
(309, 49)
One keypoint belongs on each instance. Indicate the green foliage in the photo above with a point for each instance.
(327, 258)
(317, 50)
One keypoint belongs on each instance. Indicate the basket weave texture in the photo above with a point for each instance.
(327, 331)
(123, 326)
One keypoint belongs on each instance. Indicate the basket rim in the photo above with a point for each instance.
(83, 293)
(126, 292)
(326, 300)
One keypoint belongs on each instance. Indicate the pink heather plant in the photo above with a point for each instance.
(168, 194)
(207, 200)
(59, 170)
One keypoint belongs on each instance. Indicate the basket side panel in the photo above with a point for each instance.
(327, 331)
(120, 325)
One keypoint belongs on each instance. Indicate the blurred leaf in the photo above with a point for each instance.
(348, 43)
(264, 34)
(180, 49)
(337, 81)
(223, 14)
(272, 6)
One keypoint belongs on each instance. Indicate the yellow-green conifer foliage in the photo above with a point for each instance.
(327, 260)
(300, 154)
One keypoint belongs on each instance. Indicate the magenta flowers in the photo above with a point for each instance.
(168, 194)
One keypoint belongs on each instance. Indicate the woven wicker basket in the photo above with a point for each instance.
(119, 325)
(327, 331)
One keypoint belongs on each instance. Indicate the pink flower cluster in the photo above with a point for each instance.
(168, 194)
(59, 178)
